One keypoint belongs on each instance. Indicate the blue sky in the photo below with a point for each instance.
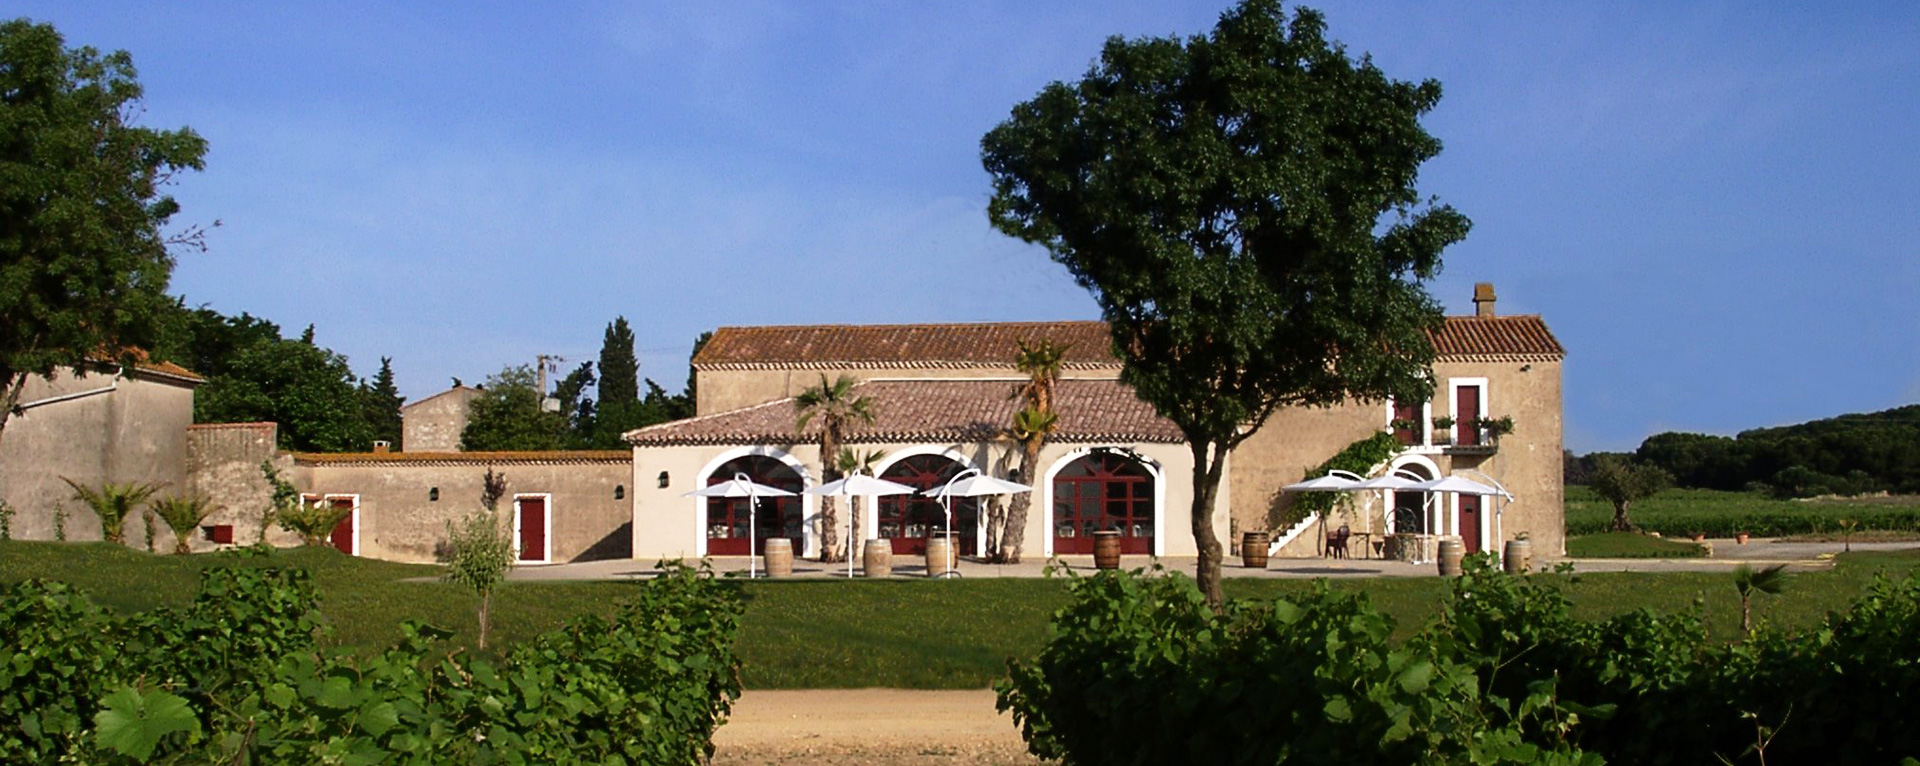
(1715, 206)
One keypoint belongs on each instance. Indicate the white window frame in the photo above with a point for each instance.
(546, 525)
(1453, 401)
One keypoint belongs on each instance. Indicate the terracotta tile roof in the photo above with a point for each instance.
(949, 346)
(932, 411)
(1516, 337)
(145, 363)
(463, 458)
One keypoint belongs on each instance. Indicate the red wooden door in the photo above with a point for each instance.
(1466, 408)
(342, 537)
(1470, 523)
(533, 528)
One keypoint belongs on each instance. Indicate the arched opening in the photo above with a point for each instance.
(908, 520)
(1102, 491)
(727, 517)
(1411, 509)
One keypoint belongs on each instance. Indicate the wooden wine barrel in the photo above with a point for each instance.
(1106, 550)
(1451, 551)
(940, 561)
(779, 557)
(877, 559)
(1253, 550)
(1518, 558)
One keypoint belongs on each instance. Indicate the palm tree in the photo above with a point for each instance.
(836, 406)
(1032, 425)
(112, 502)
(851, 463)
(1771, 580)
(183, 513)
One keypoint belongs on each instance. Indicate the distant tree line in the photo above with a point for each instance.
(1846, 455)
(590, 411)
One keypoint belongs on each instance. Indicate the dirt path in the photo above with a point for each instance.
(877, 727)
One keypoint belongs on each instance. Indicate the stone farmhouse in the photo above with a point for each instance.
(942, 396)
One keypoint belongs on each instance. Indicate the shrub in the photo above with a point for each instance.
(1139, 671)
(183, 514)
(236, 677)
(112, 502)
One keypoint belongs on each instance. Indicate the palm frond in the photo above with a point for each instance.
(1771, 580)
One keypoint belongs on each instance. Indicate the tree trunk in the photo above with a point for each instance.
(1015, 536)
(1206, 485)
(16, 382)
(486, 616)
(1620, 521)
(180, 546)
(829, 515)
(1746, 615)
(996, 522)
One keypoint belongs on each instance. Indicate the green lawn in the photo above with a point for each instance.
(1631, 545)
(901, 633)
(1681, 512)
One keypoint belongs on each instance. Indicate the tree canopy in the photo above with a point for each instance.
(507, 416)
(307, 389)
(1242, 206)
(84, 261)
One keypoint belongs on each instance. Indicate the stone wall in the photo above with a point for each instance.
(434, 424)
(223, 464)
(93, 428)
(404, 503)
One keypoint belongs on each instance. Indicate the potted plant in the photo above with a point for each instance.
(1443, 429)
(1495, 428)
(1740, 538)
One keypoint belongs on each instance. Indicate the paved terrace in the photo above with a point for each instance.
(1725, 554)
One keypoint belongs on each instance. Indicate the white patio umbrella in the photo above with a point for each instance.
(1336, 480)
(741, 486)
(1332, 482)
(864, 486)
(971, 483)
(1461, 485)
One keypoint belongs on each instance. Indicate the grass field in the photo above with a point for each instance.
(902, 633)
(1630, 545)
(1681, 512)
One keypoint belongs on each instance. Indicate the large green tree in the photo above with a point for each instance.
(84, 260)
(1242, 206)
(508, 416)
(619, 407)
(380, 404)
(309, 390)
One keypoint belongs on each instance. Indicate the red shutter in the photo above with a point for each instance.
(1467, 408)
(1411, 414)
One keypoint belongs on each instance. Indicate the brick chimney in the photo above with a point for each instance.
(382, 447)
(1483, 299)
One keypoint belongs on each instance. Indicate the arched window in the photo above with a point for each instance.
(908, 520)
(727, 517)
(1102, 491)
